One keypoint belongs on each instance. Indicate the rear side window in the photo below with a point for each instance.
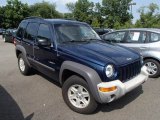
(44, 32)
(21, 29)
(137, 37)
(31, 31)
(155, 37)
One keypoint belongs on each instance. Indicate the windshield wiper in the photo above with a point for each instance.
(75, 41)
(82, 40)
(91, 39)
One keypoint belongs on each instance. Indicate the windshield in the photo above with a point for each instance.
(75, 33)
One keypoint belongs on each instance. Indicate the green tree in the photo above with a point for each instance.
(2, 9)
(149, 17)
(82, 10)
(45, 10)
(68, 16)
(95, 23)
(97, 15)
(71, 6)
(15, 11)
(116, 12)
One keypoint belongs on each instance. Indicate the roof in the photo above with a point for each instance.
(54, 21)
(103, 29)
(62, 21)
(143, 29)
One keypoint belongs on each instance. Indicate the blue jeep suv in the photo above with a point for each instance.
(89, 70)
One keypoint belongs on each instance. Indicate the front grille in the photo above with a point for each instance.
(129, 71)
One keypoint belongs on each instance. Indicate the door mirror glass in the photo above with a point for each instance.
(44, 42)
(44, 36)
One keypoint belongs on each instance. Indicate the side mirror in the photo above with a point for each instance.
(9, 33)
(44, 42)
(101, 36)
(108, 40)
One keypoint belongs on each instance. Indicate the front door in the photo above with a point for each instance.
(46, 57)
(136, 40)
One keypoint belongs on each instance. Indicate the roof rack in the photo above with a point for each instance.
(70, 19)
(33, 17)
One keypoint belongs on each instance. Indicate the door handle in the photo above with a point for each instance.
(26, 43)
(36, 47)
(142, 48)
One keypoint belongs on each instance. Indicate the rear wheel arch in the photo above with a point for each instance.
(21, 50)
(18, 52)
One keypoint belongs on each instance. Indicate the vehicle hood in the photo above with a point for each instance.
(100, 53)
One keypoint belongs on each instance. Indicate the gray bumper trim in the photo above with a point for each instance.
(122, 88)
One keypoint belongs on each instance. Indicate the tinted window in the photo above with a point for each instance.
(155, 37)
(115, 37)
(136, 37)
(44, 32)
(31, 31)
(21, 29)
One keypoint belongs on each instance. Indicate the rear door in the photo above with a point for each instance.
(154, 43)
(29, 38)
(20, 32)
(137, 40)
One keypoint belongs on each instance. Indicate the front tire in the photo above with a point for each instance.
(153, 67)
(4, 39)
(23, 66)
(77, 95)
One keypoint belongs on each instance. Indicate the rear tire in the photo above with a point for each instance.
(23, 66)
(153, 68)
(77, 95)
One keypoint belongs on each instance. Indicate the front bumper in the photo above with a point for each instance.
(122, 88)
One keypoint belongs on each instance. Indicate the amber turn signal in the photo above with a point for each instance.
(107, 89)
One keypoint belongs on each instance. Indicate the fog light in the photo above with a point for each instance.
(107, 89)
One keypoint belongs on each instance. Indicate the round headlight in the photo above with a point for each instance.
(109, 71)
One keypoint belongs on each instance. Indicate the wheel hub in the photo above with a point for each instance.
(21, 64)
(151, 68)
(78, 96)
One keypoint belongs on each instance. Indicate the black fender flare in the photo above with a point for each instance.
(23, 51)
(89, 74)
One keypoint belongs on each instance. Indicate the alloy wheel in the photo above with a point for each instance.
(151, 68)
(78, 96)
(21, 65)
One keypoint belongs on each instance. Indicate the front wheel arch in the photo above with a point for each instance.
(145, 58)
(88, 74)
(68, 73)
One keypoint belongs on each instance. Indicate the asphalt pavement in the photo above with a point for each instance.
(37, 97)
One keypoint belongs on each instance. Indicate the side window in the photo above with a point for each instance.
(136, 37)
(31, 31)
(115, 37)
(155, 37)
(143, 37)
(21, 29)
(44, 32)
